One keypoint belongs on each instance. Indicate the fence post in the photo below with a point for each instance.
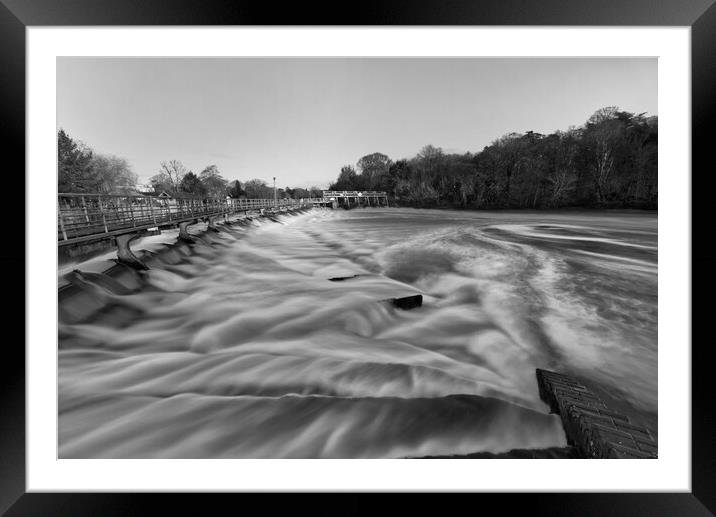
(84, 208)
(131, 211)
(151, 209)
(116, 210)
(62, 222)
(104, 219)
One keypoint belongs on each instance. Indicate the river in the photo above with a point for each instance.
(242, 348)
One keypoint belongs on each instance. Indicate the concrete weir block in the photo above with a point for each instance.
(594, 429)
(124, 252)
(211, 225)
(407, 302)
(341, 278)
(184, 234)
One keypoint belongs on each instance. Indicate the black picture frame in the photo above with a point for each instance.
(16, 15)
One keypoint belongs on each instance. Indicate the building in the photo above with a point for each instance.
(144, 188)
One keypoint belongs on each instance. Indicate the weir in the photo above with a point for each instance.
(592, 428)
(87, 217)
(83, 220)
(125, 268)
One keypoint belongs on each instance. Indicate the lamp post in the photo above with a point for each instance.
(275, 201)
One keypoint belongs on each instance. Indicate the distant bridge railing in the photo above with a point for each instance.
(83, 217)
(354, 198)
(353, 193)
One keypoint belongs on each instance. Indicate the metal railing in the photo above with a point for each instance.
(353, 193)
(82, 217)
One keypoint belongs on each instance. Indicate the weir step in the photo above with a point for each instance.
(407, 302)
(341, 278)
(592, 427)
(550, 453)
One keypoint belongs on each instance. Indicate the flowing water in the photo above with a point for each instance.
(241, 347)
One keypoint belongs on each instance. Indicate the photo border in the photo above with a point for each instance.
(701, 16)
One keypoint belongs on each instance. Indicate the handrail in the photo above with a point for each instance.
(83, 217)
(354, 193)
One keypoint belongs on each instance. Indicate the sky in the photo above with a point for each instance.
(302, 119)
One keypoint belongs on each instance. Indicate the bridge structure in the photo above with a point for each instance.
(354, 198)
(84, 218)
(87, 218)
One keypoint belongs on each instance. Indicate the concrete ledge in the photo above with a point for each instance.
(551, 453)
(342, 278)
(407, 302)
(590, 426)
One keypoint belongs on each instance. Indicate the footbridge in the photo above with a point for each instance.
(88, 218)
(354, 198)
(85, 217)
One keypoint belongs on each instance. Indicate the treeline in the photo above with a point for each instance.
(81, 169)
(174, 178)
(610, 161)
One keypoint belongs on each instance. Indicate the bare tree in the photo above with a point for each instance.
(603, 135)
(170, 176)
(113, 174)
(562, 177)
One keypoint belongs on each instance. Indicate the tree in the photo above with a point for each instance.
(602, 136)
(82, 170)
(399, 175)
(347, 179)
(300, 193)
(214, 184)
(646, 181)
(562, 177)
(191, 184)
(374, 170)
(510, 150)
(112, 174)
(611, 160)
(428, 165)
(74, 165)
(234, 190)
(170, 176)
(258, 189)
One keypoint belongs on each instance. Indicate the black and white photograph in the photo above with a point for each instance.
(359, 250)
(357, 257)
